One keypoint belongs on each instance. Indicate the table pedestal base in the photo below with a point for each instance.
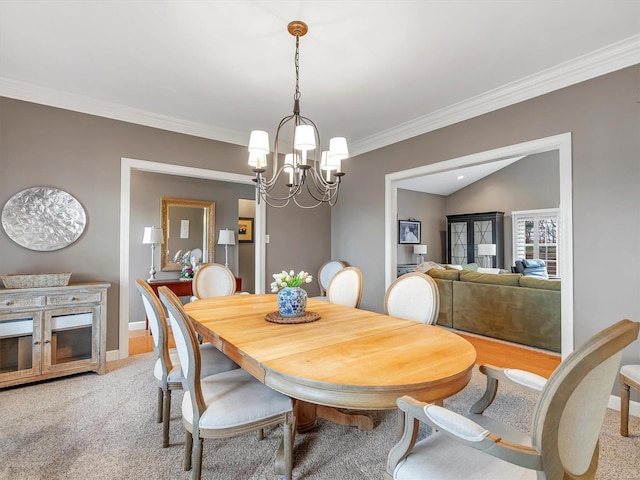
(308, 413)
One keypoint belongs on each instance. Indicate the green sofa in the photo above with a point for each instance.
(508, 306)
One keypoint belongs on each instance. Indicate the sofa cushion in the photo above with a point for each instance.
(509, 279)
(445, 274)
(427, 266)
(534, 282)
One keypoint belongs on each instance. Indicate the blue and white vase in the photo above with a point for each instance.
(292, 302)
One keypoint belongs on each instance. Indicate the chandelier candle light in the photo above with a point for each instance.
(305, 167)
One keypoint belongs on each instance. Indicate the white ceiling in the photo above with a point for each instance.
(376, 72)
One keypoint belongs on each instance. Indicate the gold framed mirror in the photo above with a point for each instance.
(188, 226)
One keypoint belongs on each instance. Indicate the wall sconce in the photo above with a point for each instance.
(226, 238)
(419, 251)
(487, 250)
(152, 236)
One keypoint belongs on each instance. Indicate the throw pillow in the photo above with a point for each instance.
(471, 267)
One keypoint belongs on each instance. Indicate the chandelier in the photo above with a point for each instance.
(310, 178)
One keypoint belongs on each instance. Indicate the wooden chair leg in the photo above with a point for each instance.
(166, 418)
(260, 434)
(188, 447)
(624, 410)
(197, 460)
(288, 438)
(159, 407)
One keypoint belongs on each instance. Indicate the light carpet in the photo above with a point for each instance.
(92, 426)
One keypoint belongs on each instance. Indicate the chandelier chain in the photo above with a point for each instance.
(296, 95)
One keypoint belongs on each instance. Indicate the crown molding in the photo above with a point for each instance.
(79, 103)
(605, 60)
(599, 62)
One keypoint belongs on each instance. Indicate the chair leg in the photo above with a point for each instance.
(197, 460)
(288, 438)
(166, 418)
(624, 410)
(188, 446)
(159, 402)
(260, 434)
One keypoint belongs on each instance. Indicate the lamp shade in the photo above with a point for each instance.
(420, 249)
(487, 249)
(259, 142)
(153, 235)
(226, 237)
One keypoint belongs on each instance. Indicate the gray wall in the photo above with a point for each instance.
(81, 154)
(429, 209)
(603, 115)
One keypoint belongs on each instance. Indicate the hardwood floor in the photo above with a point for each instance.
(494, 352)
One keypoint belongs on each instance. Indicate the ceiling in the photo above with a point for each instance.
(376, 72)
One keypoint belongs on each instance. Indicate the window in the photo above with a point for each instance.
(535, 235)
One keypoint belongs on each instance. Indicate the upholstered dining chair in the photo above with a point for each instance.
(167, 367)
(213, 280)
(629, 377)
(413, 296)
(222, 405)
(325, 273)
(565, 427)
(345, 287)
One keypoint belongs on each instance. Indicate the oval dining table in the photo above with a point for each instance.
(348, 359)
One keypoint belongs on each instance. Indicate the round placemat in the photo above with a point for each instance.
(308, 317)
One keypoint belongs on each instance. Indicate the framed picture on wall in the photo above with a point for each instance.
(245, 230)
(409, 231)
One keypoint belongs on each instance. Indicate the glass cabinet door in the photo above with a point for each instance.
(20, 345)
(458, 243)
(69, 337)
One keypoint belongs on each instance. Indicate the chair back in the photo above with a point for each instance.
(186, 342)
(413, 296)
(213, 280)
(573, 402)
(345, 288)
(327, 271)
(157, 324)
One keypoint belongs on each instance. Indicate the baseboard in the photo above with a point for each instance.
(634, 407)
(137, 325)
(113, 355)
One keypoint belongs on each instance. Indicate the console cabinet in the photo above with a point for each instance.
(51, 332)
(465, 232)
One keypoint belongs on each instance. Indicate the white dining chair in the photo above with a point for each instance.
(167, 367)
(325, 273)
(566, 422)
(213, 280)
(413, 296)
(345, 287)
(226, 404)
(629, 377)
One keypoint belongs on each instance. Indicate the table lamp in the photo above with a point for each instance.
(487, 250)
(226, 238)
(419, 251)
(152, 236)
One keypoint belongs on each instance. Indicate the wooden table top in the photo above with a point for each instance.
(350, 358)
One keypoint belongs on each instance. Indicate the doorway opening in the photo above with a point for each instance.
(561, 143)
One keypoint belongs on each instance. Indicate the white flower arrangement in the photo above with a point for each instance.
(290, 279)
